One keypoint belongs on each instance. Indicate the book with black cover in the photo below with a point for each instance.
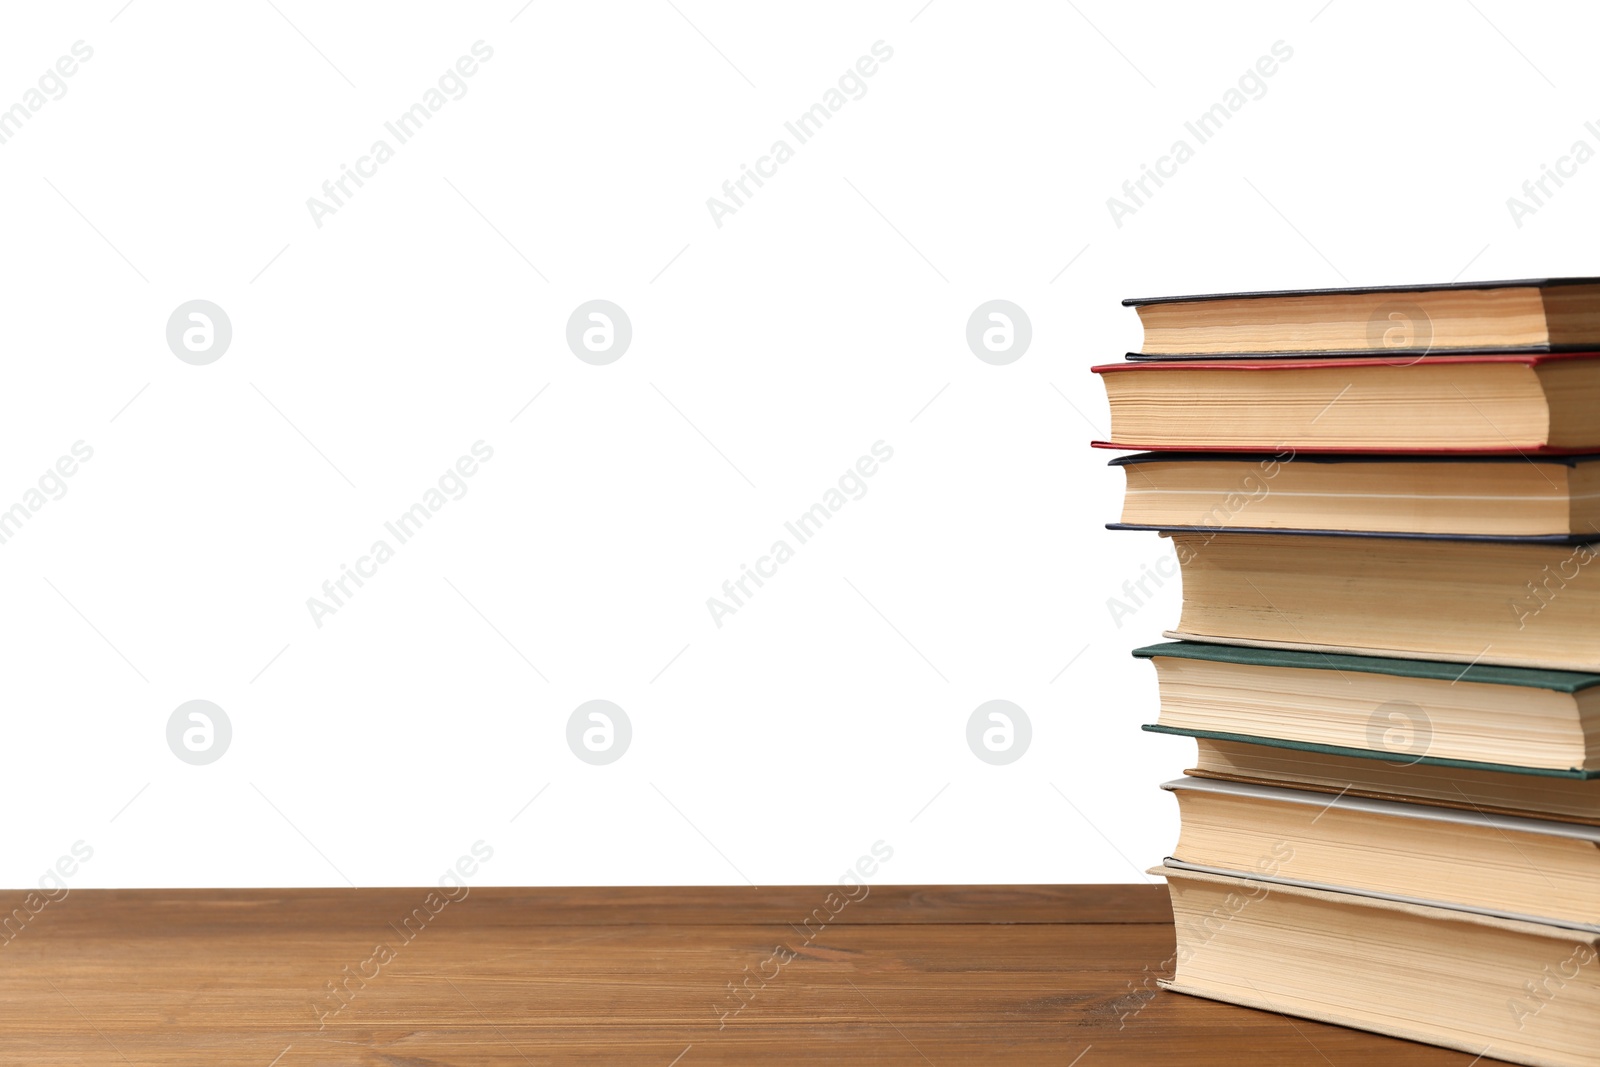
(1360, 290)
(1526, 315)
(1507, 497)
(1516, 603)
(1542, 403)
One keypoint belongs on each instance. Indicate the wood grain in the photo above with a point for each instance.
(505, 977)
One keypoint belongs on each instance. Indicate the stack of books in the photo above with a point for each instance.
(1385, 505)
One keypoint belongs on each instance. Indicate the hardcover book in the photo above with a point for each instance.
(1496, 789)
(1520, 604)
(1500, 403)
(1537, 314)
(1489, 986)
(1477, 714)
(1556, 498)
(1536, 869)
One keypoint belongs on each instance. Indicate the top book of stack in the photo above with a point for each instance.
(1485, 368)
(1530, 315)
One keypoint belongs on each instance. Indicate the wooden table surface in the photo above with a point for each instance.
(514, 977)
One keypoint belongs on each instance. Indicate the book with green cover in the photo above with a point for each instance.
(1558, 681)
(1484, 716)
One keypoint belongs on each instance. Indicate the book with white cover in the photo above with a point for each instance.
(1491, 987)
(1448, 857)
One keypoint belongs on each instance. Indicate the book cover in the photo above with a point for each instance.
(1358, 290)
(1488, 674)
(1433, 364)
(1365, 753)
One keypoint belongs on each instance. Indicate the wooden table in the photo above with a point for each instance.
(514, 977)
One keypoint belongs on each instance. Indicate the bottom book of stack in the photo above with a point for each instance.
(1459, 928)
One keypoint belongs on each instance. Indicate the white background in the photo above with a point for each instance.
(768, 354)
